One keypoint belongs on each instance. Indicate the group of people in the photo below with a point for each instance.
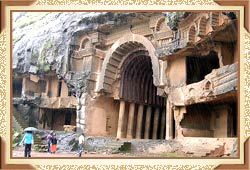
(51, 139)
(51, 142)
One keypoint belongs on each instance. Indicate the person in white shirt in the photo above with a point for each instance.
(81, 142)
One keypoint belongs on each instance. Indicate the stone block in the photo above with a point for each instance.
(69, 128)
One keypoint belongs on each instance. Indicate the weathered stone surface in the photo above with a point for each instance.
(38, 44)
(219, 81)
(44, 40)
(69, 128)
(58, 102)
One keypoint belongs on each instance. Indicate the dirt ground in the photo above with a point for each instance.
(188, 147)
(18, 152)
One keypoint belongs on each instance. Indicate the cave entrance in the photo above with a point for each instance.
(210, 120)
(197, 67)
(17, 85)
(55, 119)
(142, 112)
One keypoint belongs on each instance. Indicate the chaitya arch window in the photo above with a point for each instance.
(85, 44)
(203, 26)
(192, 32)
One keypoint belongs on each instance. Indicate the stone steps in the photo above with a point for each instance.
(37, 140)
(16, 125)
(206, 147)
(23, 123)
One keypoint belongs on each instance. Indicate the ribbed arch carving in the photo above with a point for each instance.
(202, 26)
(160, 24)
(215, 20)
(192, 34)
(137, 82)
(118, 53)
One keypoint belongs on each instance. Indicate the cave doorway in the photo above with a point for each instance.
(210, 120)
(197, 67)
(55, 119)
(17, 87)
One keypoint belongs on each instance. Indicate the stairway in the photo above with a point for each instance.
(37, 140)
(22, 123)
(203, 147)
(16, 125)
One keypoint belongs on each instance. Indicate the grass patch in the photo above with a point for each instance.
(126, 147)
(16, 136)
(17, 139)
(37, 147)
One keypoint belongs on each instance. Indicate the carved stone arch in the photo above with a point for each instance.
(202, 26)
(192, 31)
(78, 37)
(215, 18)
(124, 58)
(116, 54)
(85, 42)
(159, 23)
(203, 21)
(75, 59)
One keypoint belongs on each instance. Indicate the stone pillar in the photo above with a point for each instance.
(131, 120)
(147, 123)
(156, 120)
(24, 86)
(47, 87)
(82, 120)
(212, 121)
(218, 50)
(163, 77)
(139, 122)
(178, 116)
(221, 123)
(81, 113)
(121, 119)
(169, 121)
(78, 112)
(163, 120)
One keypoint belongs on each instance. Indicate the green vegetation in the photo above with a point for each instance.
(16, 137)
(126, 147)
(48, 50)
(16, 38)
(173, 18)
(37, 147)
(35, 54)
(29, 18)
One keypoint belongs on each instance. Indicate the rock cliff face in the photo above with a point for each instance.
(44, 41)
(41, 39)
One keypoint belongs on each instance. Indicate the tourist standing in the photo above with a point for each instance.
(28, 140)
(49, 139)
(81, 142)
(53, 143)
